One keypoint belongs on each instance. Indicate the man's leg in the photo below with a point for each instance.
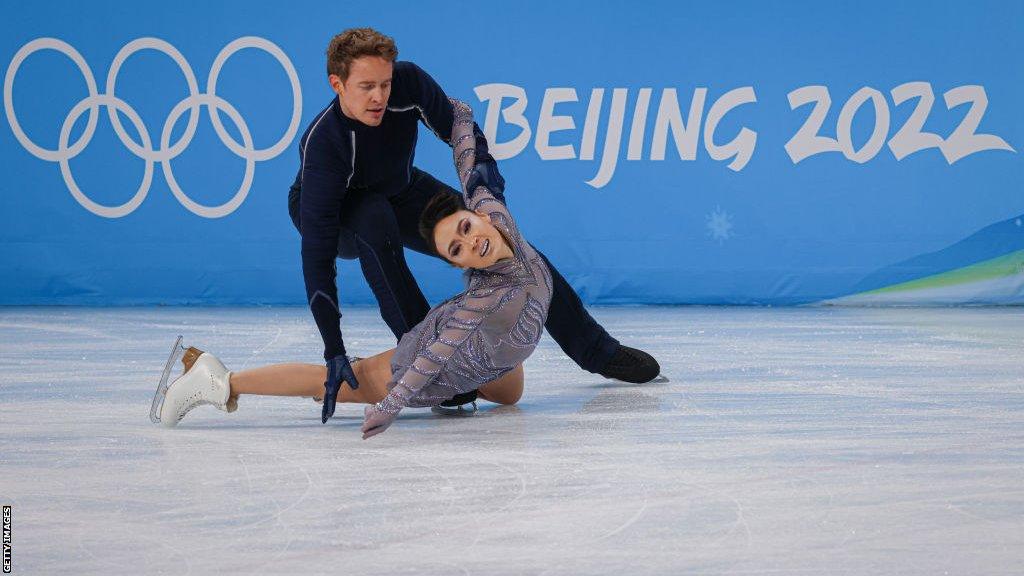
(372, 232)
(587, 342)
(410, 204)
(575, 330)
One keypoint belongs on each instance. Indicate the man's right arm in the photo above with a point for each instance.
(322, 182)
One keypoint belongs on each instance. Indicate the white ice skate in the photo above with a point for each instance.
(204, 381)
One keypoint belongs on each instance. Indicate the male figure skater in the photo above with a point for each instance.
(358, 195)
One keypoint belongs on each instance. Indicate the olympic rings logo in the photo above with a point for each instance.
(167, 150)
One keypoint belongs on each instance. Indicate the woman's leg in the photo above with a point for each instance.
(296, 379)
(373, 373)
(505, 390)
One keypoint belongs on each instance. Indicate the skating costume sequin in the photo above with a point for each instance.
(487, 330)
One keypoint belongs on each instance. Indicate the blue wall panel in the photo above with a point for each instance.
(757, 152)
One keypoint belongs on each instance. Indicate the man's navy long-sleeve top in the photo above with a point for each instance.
(337, 154)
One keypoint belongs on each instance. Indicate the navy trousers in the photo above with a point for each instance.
(376, 228)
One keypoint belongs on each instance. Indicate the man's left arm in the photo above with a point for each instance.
(437, 114)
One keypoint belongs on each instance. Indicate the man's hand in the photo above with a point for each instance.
(376, 421)
(484, 174)
(338, 370)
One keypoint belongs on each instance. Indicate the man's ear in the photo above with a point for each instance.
(336, 83)
(482, 214)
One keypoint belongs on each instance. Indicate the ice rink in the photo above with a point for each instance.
(788, 441)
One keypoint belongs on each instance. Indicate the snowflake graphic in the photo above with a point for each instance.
(719, 225)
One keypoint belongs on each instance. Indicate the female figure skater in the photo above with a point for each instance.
(476, 340)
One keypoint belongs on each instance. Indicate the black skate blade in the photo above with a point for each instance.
(177, 352)
(455, 411)
(660, 379)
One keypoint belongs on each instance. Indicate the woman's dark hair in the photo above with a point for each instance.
(442, 205)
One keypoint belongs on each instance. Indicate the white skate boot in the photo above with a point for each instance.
(205, 381)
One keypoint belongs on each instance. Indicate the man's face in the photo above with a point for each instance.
(364, 94)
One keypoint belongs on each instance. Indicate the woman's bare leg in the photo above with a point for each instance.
(373, 373)
(505, 390)
(296, 379)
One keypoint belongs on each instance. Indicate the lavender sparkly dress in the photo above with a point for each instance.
(487, 330)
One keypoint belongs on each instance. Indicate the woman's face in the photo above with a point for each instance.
(469, 240)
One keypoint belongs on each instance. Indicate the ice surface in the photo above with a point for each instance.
(789, 441)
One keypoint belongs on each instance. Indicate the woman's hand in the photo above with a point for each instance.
(376, 421)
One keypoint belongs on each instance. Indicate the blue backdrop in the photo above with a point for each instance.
(761, 152)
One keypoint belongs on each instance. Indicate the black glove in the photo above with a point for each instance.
(487, 175)
(338, 370)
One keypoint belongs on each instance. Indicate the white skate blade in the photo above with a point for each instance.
(177, 352)
(456, 411)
